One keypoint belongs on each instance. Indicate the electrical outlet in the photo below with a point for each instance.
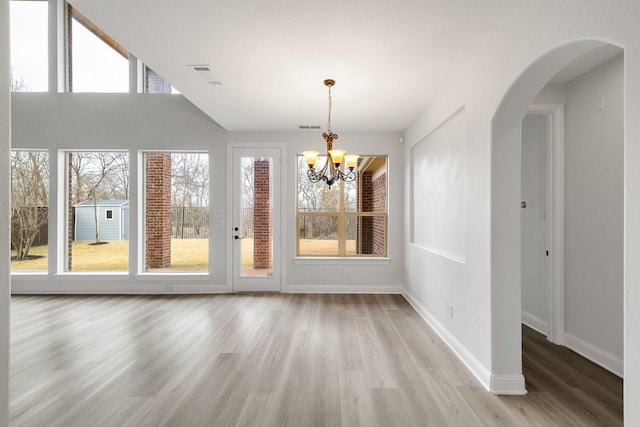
(345, 272)
(451, 310)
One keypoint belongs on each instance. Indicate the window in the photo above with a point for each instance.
(98, 183)
(348, 219)
(29, 210)
(176, 212)
(97, 62)
(29, 46)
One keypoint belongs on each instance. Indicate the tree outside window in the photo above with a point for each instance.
(29, 209)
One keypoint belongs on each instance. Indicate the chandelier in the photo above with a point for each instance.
(330, 172)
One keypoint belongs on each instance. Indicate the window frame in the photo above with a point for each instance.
(343, 215)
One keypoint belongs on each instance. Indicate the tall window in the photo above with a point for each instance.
(29, 52)
(97, 63)
(348, 219)
(98, 183)
(29, 210)
(176, 212)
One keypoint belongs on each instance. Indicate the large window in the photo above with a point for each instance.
(29, 210)
(98, 183)
(176, 212)
(348, 219)
(29, 51)
(97, 63)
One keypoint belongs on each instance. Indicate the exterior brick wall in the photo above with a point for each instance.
(262, 214)
(364, 226)
(154, 83)
(370, 231)
(158, 210)
(379, 199)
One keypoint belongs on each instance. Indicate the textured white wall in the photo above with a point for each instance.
(5, 285)
(496, 87)
(594, 207)
(439, 164)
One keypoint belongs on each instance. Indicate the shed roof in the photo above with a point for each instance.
(110, 202)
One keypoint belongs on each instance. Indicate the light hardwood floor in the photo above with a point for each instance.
(273, 360)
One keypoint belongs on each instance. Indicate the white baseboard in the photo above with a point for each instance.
(535, 323)
(114, 284)
(352, 289)
(598, 356)
(498, 384)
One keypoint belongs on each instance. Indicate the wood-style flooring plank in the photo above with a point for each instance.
(274, 360)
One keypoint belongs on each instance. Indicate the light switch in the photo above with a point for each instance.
(542, 215)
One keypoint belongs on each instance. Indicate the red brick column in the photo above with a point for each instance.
(261, 214)
(379, 205)
(364, 231)
(158, 210)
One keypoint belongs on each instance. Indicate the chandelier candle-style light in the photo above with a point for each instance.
(330, 172)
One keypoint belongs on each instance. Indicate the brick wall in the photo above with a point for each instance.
(158, 210)
(370, 231)
(154, 83)
(262, 214)
(364, 225)
(379, 200)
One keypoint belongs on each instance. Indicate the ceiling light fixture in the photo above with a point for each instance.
(330, 172)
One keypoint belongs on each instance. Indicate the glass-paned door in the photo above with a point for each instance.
(256, 219)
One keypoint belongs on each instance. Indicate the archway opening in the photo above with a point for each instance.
(506, 208)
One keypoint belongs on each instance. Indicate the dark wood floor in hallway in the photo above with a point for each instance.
(273, 360)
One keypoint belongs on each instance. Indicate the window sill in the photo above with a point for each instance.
(341, 260)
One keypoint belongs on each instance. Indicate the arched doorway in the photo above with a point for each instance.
(505, 203)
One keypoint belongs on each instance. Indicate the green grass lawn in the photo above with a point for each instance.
(186, 255)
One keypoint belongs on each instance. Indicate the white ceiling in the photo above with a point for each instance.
(388, 58)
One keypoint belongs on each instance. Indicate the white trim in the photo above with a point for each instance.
(498, 384)
(279, 230)
(598, 356)
(534, 322)
(555, 219)
(340, 260)
(342, 289)
(115, 283)
(508, 385)
(439, 253)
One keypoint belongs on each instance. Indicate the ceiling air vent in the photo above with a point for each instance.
(309, 127)
(207, 74)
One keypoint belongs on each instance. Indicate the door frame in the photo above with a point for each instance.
(555, 218)
(278, 241)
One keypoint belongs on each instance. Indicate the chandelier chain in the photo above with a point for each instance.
(329, 119)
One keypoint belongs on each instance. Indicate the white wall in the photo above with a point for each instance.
(120, 121)
(594, 209)
(322, 275)
(534, 223)
(496, 87)
(141, 122)
(5, 286)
